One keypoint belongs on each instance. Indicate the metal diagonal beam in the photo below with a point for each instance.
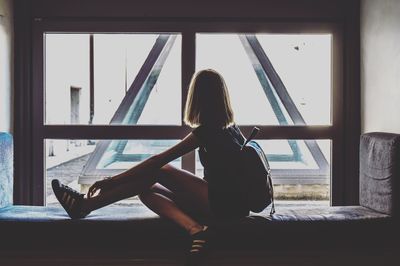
(251, 41)
(139, 93)
(131, 107)
(275, 80)
(139, 101)
(272, 98)
(144, 74)
(264, 81)
(133, 103)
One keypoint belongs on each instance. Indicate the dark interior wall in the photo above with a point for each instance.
(345, 13)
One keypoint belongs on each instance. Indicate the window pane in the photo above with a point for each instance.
(74, 163)
(300, 168)
(66, 67)
(256, 99)
(65, 160)
(303, 62)
(133, 75)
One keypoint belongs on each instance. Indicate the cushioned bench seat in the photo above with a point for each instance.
(141, 213)
(325, 214)
(139, 228)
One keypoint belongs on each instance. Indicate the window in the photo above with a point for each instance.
(111, 99)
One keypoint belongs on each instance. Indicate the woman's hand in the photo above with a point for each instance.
(101, 186)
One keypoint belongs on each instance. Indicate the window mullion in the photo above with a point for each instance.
(37, 186)
(291, 132)
(188, 69)
(188, 64)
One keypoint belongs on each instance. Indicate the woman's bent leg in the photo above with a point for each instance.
(188, 188)
(118, 193)
(180, 196)
(160, 200)
(189, 191)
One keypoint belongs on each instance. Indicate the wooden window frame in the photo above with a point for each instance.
(30, 131)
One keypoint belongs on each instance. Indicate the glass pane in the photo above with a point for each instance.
(295, 154)
(303, 62)
(67, 78)
(134, 76)
(225, 54)
(72, 162)
(65, 160)
(254, 97)
(300, 168)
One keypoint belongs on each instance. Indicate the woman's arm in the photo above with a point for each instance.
(157, 161)
(148, 167)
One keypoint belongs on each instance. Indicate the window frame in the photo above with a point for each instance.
(188, 30)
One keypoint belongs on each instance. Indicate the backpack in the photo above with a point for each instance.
(255, 176)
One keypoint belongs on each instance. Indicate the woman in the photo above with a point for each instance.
(174, 193)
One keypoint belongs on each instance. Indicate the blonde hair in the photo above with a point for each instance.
(208, 101)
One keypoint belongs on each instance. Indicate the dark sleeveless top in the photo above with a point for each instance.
(218, 152)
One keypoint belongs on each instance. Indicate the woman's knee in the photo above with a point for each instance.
(167, 169)
(146, 195)
(143, 196)
(154, 189)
